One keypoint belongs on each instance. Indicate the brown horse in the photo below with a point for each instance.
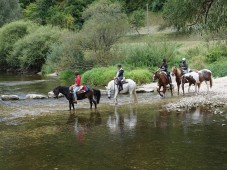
(205, 75)
(163, 81)
(177, 72)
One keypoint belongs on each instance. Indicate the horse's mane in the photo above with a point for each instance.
(177, 70)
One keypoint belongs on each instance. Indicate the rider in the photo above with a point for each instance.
(184, 66)
(74, 88)
(164, 68)
(119, 76)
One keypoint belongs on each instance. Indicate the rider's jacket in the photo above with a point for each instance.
(120, 74)
(184, 65)
(164, 67)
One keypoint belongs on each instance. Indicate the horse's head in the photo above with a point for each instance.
(174, 70)
(108, 91)
(155, 76)
(56, 92)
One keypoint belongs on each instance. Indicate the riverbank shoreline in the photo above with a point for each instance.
(216, 97)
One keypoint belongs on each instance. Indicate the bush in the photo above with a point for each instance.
(149, 55)
(218, 68)
(65, 54)
(101, 76)
(67, 75)
(9, 35)
(216, 54)
(31, 51)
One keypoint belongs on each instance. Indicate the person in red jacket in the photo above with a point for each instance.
(74, 88)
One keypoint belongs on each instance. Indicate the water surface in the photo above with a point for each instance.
(43, 134)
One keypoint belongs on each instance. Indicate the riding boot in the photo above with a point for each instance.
(74, 99)
(120, 86)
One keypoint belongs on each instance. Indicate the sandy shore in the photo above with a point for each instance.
(216, 97)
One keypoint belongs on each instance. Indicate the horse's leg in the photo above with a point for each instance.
(196, 87)
(164, 91)
(115, 96)
(90, 100)
(178, 89)
(183, 82)
(95, 103)
(171, 89)
(189, 87)
(73, 106)
(135, 96)
(207, 86)
(159, 91)
(69, 105)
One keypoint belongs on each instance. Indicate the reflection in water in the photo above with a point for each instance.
(81, 125)
(118, 122)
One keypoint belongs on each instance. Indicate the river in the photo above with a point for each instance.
(43, 134)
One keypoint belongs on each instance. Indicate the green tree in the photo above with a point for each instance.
(9, 11)
(9, 35)
(65, 54)
(32, 50)
(65, 13)
(190, 15)
(104, 24)
(137, 20)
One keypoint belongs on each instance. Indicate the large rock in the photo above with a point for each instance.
(51, 94)
(9, 97)
(144, 90)
(36, 96)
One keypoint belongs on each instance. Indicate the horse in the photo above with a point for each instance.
(177, 72)
(205, 75)
(129, 86)
(90, 94)
(163, 81)
(191, 78)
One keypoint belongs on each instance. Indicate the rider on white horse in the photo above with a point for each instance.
(119, 76)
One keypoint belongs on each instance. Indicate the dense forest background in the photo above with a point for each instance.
(92, 36)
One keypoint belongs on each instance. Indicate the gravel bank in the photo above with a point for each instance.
(216, 97)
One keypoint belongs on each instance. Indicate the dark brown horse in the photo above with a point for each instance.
(163, 81)
(93, 95)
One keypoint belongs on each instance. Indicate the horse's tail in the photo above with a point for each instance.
(97, 95)
(211, 82)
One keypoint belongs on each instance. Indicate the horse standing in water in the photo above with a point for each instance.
(130, 87)
(163, 81)
(90, 94)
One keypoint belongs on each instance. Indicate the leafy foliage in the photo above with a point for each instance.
(31, 51)
(137, 19)
(66, 13)
(9, 11)
(99, 38)
(150, 54)
(199, 15)
(9, 35)
(102, 75)
(65, 54)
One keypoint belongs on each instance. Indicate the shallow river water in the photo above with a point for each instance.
(43, 134)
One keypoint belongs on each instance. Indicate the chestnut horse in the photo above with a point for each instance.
(163, 81)
(177, 72)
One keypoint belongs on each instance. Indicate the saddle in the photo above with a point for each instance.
(83, 89)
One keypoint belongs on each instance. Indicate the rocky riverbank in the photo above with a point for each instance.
(216, 97)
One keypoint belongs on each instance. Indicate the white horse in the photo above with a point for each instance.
(129, 87)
